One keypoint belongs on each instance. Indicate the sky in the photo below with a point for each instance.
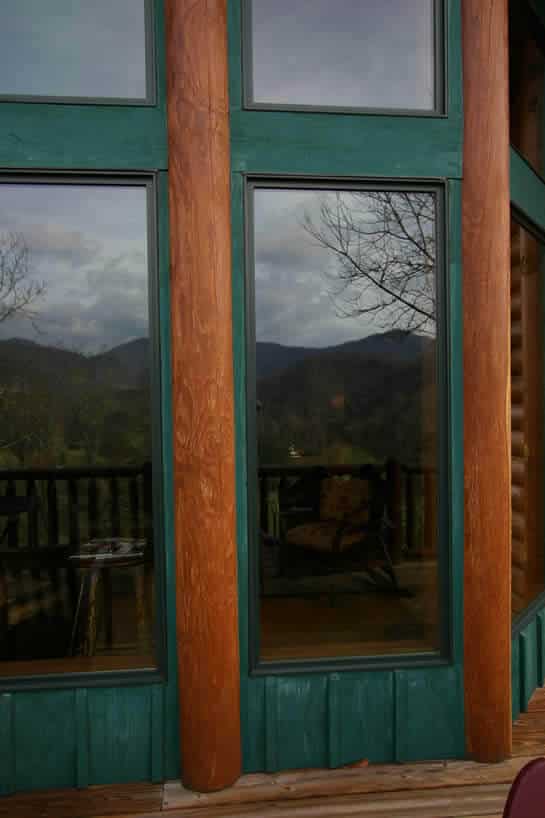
(298, 301)
(67, 48)
(363, 53)
(88, 245)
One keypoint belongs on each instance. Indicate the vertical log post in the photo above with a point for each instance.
(202, 384)
(486, 271)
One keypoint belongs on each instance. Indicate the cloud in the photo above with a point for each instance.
(49, 243)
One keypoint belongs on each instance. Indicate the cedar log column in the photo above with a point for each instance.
(203, 397)
(487, 447)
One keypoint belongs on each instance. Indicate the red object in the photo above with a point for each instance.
(526, 797)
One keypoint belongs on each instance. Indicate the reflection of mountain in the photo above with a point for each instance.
(123, 367)
(367, 399)
(62, 408)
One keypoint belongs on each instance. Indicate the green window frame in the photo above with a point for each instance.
(315, 717)
(118, 142)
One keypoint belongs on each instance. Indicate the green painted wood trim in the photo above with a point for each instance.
(456, 427)
(515, 678)
(541, 647)
(285, 142)
(528, 663)
(346, 704)
(527, 190)
(82, 738)
(170, 706)
(8, 769)
(334, 724)
(88, 137)
(157, 743)
(271, 721)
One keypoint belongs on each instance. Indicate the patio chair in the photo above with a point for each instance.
(350, 534)
(526, 797)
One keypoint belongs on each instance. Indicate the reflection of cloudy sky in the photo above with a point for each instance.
(368, 53)
(88, 244)
(66, 48)
(294, 283)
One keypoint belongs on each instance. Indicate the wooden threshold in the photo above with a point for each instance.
(441, 789)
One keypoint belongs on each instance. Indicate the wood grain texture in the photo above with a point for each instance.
(202, 394)
(486, 259)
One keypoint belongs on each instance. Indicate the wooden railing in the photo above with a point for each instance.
(67, 506)
(412, 500)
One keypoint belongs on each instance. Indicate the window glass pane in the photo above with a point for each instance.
(71, 48)
(346, 422)
(76, 528)
(527, 84)
(352, 53)
(527, 319)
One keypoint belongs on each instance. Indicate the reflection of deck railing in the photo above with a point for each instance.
(412, 500)
(70, 505)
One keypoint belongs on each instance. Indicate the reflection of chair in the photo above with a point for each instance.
(350, 533)
(527, 794)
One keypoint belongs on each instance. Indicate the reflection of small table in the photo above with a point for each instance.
(91, 567)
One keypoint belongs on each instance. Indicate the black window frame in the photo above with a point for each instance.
(150, 98)
(158, 673)
(444, 655)
(440, 62)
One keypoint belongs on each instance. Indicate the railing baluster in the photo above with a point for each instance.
(147, 487)
(92, 508)
(134, 504)
(32, 524)
(410, 510)
(52, 513)
(115, 519)
(13, 523)
(73, 512)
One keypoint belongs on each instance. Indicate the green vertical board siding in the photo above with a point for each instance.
(82, 738)
(427, 714)
(296, 721)
(45, 739)
(7, 743)
(119, 734)
(541, 647)
(361, 717)
(515, 678)
(334, 718)
(527, 658)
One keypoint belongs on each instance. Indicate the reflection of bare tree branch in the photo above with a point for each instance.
(384, 246)
(17, 290)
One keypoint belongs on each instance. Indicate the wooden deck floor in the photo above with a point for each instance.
(459, 789)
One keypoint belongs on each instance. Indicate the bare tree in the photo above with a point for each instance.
(384, 247)
(18, 291)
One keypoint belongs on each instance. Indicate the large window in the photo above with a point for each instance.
(345, 55)
(73, 50)
(77, 449)
(343, 412)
